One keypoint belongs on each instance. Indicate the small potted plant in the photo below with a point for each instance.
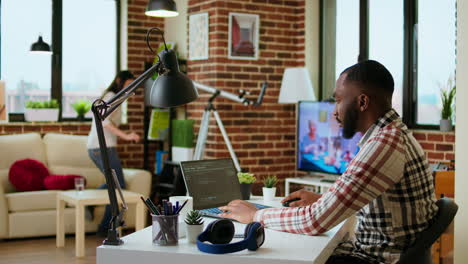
(81, 108)
(448, 98)
(194, 225)
(42, 110)
(246, 179)
(269, 189)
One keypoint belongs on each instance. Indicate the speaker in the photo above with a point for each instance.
(220, 233)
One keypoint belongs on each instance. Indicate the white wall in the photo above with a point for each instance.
(312, 40)
(175, 29)
(461, 142)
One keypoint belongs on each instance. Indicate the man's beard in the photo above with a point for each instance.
(350, 121)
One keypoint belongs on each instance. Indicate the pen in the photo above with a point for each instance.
(153, 206)
(180, 209)
(169, 205)
(147, 205)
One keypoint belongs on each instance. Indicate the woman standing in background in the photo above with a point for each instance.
(111, 132)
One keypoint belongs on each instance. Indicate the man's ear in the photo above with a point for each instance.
(363, 102)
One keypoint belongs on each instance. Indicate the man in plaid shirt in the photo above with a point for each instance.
(388, 185)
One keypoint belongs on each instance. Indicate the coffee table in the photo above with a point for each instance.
(85, 198)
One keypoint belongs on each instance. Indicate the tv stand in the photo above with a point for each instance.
(327, 180)
(320, 184)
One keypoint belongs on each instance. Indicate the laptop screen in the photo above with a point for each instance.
(211, 183)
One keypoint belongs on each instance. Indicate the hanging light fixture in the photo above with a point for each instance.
(40, 46)
(161, 8)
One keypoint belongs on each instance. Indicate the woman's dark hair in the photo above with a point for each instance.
(118, 82)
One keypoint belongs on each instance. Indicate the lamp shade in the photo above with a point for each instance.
(171, 88)
(296, 86)
(162, 8)
(40, 46)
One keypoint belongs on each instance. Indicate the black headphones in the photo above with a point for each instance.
(220, 232)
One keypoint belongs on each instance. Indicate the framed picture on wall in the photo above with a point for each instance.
(243, 36)
(198, 36)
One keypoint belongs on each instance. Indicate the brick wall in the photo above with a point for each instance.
(439, 146)
(262, 137)
(138, 54)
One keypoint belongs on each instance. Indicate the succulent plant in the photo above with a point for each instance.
(245, 177)
(81, 106)
(194, 218)
(270, 181)
(42, 104)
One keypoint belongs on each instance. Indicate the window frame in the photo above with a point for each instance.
(57, 48)
(410, 59)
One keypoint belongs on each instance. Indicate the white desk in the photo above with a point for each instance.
(278, 248)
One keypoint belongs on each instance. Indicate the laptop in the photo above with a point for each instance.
(212, 183)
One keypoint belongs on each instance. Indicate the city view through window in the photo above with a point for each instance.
(89, 46)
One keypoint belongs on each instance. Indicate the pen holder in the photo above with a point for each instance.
(165, 229)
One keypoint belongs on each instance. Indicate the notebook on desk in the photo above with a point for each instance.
(212, 183)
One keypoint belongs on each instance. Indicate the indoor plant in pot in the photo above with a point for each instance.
(42, 110)
(246, 179)
(448, 98)
(81, 107)
(269, 189)
(194, 225)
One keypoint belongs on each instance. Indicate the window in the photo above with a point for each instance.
(386, 42)
(27, 76)
(436, 56)
(415, 40)
(89, 50)
(84, 41)
(340, 40)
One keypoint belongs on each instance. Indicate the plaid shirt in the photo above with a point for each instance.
(388, 184)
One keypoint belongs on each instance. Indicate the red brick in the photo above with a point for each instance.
(435, 137)
(449, 156)
(444, 147)
(436, 155)
(13, 129)
(449, 137)
(420, 136)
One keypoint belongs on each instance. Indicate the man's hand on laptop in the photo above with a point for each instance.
(239, 210)
(305, 198)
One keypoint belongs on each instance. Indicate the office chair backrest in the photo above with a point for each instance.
(420, 252)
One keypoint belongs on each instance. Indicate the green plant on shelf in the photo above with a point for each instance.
(81, 107)
(270, 181)
(448, 98)
(246, 178)
(50, 104)
(194, 218)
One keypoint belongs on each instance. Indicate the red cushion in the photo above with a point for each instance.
(28, 175)
(61, 182)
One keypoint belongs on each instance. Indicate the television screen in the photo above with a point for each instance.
(320, 146)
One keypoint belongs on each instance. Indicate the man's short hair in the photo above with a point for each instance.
(372, 75)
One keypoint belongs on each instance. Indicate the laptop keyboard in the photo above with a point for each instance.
(213, 212)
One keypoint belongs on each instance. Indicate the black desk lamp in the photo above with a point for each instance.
(171, 88)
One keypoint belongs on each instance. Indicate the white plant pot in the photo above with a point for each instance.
(192, 232)
(268, 194)
(446, 125)
(41, 114)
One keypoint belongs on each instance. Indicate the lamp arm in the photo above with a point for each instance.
(128, 91)
(112, 235)
(102, 109)
(237, 98)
